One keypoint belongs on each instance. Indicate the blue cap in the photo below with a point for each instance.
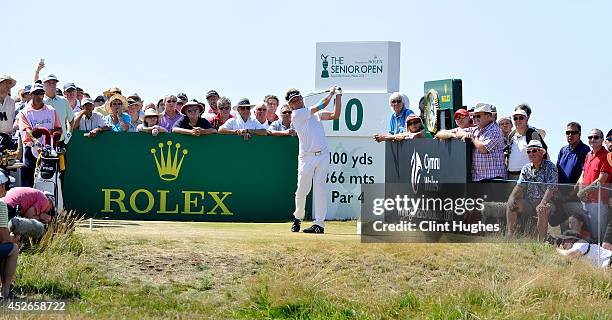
(69, 85)
(27, 88)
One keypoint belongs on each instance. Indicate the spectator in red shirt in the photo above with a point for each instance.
(596, 173)
(224, 106)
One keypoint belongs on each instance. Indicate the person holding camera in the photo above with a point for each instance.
(572, 245)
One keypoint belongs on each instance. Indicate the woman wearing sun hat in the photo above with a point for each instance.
(117, 119)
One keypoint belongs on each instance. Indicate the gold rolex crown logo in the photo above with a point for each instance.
(168, 166)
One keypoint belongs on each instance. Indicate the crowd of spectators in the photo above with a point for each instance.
(510, 150)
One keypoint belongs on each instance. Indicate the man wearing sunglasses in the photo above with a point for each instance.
(596, 173)
(397, 123)
(534, 191)
(224, 106)
(570, 161)
(243, 125)
(170, 115)
(488, 141)
(283, 126)
(515, 150)
(313, 158)
(260, 115)
(35, 114)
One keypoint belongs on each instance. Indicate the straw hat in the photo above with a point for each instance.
(124, 107)
(12, 81)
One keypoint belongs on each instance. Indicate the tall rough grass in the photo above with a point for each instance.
(54, 267)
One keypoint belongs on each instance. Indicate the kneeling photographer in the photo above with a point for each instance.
(571, 245)
(29, 210)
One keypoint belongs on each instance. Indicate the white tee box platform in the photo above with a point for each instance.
(363, 66)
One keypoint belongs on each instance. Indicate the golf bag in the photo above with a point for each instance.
(49, 163)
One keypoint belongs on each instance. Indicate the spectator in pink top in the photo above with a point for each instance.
(33, 203)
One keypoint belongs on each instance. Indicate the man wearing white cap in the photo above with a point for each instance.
(313, 159)
(7, 105)
(59, 103)
(35, 114)
(515, 151)
(534, 190)
(88, 120)
(488, 141)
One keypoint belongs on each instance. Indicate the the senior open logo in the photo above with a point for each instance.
(169, 164)
(416, 172)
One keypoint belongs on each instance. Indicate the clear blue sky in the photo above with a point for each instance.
(555, 55)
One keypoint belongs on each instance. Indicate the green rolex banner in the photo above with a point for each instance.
(181, 178)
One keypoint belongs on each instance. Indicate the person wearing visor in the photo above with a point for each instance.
(313, 158)
(414, 130)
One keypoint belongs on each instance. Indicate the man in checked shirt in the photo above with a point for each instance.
(488, 142)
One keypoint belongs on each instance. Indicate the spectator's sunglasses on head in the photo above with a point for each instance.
(571, 132)
(517, 118)
(286, 112)
(594, 137)
(532, 150)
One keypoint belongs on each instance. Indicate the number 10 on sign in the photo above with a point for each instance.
(351, 124)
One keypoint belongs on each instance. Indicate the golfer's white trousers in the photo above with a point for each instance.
(312, 169)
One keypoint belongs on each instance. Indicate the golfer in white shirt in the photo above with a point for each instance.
(313, 158)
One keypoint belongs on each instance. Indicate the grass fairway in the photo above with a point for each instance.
(163, 270)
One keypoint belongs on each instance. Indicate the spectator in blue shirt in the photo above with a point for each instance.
(571, 157)
(401, 110)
